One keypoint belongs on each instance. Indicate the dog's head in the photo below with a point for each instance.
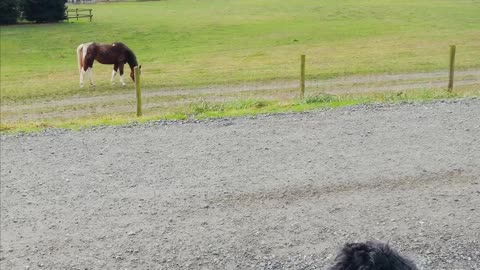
(371, 256)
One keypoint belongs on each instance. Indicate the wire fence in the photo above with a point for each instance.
(169, 88)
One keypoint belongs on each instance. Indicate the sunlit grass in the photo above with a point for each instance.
(191, 43)
(246, 107)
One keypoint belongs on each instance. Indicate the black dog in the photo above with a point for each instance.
(370, 256)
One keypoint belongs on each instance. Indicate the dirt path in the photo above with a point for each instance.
(271, 192)
(164, 98)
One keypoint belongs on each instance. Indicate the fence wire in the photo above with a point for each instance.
(167, 90)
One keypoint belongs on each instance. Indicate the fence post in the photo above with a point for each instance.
(137, 73)
(452, 67)
(302, 76)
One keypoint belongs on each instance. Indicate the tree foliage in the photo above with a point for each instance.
(9, 11)
(44, 10)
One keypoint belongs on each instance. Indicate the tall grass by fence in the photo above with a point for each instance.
(243, 89)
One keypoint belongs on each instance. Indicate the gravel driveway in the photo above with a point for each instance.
(272, 192)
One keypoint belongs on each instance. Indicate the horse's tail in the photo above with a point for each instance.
(80, 57)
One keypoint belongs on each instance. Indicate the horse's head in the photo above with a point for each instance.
(132, 74)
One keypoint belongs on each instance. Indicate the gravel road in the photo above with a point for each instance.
(271, 192)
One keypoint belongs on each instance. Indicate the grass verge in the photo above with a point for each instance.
(248, 107)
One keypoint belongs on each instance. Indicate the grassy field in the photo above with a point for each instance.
(190, 43)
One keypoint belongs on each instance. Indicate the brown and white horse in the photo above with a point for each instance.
(116, 54)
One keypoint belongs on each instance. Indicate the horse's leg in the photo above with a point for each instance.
(81, 52)
(114, 72)
(121, 74)
(87, 68)
(82, 73)
(88, 72)
(90, 76)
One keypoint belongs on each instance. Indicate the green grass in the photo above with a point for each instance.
(191, 42)
(248, 107)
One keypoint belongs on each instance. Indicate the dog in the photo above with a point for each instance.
(371, 256)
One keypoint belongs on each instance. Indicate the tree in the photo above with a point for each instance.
(44, 10)
(9, 11)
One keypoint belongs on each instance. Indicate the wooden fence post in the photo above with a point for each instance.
(452, 67)
(302, 76)
(137, 73)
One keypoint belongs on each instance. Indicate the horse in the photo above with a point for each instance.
(116, 54)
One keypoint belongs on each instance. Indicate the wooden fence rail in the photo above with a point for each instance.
(79, 13)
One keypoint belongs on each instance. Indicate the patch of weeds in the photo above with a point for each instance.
(24, 127)
(394, 96)
(205, 106)
(248, 104)
(204, 109)
(260, 104)
(425, 94)
(320, 98)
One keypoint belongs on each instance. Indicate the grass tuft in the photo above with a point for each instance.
(320, 98)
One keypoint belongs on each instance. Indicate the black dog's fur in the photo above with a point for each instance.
(371, 256)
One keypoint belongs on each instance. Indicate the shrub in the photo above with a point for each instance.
(9, 12)
(44, 10)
